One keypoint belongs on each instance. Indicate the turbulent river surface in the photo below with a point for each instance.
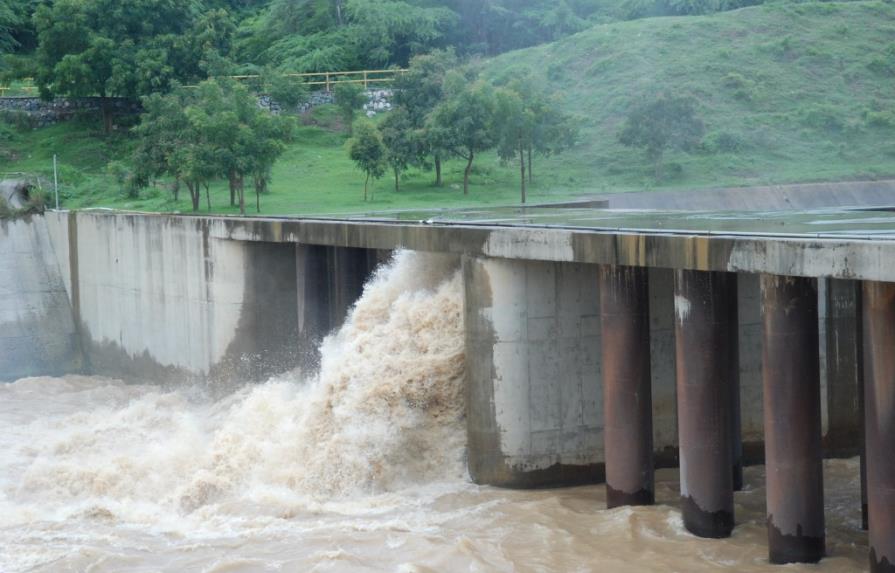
(357, 468)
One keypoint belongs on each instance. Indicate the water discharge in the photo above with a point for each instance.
(358, 468)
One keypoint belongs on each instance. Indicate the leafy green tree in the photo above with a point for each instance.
(215, 130)
(401, 141)
(464, 123)
(418, 91)
(350, 97)
(125, 48)
(514, 121)
(655, 126)
(368, 152)
(10, 19)
(288, 91)
(268, 142)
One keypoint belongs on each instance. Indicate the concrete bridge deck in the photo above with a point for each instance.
(831, 243)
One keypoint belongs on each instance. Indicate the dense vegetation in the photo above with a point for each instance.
(788, 91)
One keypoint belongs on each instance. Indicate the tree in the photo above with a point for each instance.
(10, 20)
(401, 141)
(368, 152)
(350, 97)
(215, 130)
(418, 91)
(515, 125)
(668, 122)
(464, 122)
(124, 48)
(288, 91)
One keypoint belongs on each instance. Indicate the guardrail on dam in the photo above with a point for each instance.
(598, 343)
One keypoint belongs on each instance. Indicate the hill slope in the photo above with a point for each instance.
(788, 92)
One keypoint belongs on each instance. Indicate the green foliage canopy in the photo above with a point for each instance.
(368, 152)
(668, 122)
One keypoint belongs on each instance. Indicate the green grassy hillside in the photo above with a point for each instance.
(788, 93)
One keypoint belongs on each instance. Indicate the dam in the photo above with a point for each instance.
(599, 346)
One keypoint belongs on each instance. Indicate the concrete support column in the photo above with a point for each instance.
(793, 450)
(736, 419)
(879, 404)
(844, 366)
(704, 348)
(627, 392)
(533, 387)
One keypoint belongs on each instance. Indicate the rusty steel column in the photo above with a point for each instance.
(736, 419)
(704, 351)
(627, 393)
(879, 418)
(792, 419)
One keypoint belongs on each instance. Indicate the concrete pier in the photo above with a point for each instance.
(627, 392)
(704, 351)
(793, 452)
(879, 401)
(533, 348)
(736, 419)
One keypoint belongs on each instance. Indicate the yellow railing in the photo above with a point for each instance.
(325, 79)
(26, 85)
(328, 79)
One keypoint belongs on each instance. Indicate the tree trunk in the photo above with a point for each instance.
(231, 179)
(522, 167)
(176, 189)
(467, 173)
(107, 115)
(366, 181)
(439, 182)
(208, 197)
(195, 194)
(397, 180)
(530, 163)
(658, 167)
(242, 196)
(339, 13)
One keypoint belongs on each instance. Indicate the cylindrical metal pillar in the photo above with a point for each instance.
(736, 420)
(704, 352)
(627, 394)
(792, 420)
(879, 417)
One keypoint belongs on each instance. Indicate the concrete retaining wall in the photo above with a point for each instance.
(157, 298)
(37, 332)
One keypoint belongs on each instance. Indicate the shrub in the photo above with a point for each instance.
(723, 142)
(821, 116)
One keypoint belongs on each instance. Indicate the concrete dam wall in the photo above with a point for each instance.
(38, 334)
(167, 298)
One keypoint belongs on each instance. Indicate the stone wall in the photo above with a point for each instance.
(42, 113)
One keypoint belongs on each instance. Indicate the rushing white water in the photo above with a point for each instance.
(357, 469)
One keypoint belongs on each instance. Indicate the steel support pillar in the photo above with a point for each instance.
(879, 416)
(704, 352)
(792, 419)
(627, 392)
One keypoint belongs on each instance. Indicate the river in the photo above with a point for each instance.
(358, 467)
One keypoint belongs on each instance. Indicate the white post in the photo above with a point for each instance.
(55, 181)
